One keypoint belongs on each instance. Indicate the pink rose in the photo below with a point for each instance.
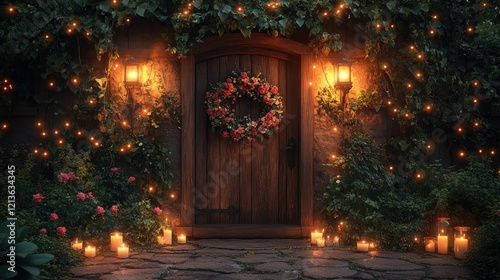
(225, 134)
(37, 198)
(99, 210)
(274, 90)
(60, 231)
(131, 179)
(157, 211)
(54, 217)
(244, 74)
(43, 231)
(114, 208)
(276, 128)
(80, 196)
(262, 90)
(63, 177)
(72, 176)
(90, 195)
(114, 169)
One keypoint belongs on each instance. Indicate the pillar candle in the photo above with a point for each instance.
(167, 237)
(320, 242)
(443, 244)
(362, 246)
(336, 241)
(181, 239)
(77, 245)
(430, 246)
(116, 241)
(161, 240)
(90, 252)
(315, 235)
(123, 251)
(461, 247)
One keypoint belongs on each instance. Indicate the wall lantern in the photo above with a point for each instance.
(132, 73)
(343, 82)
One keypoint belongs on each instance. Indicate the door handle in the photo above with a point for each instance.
(290, 152)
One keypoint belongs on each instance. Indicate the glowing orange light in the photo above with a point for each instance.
(172, 196)
(412, 47)
(429, 146)
(395, 110)
(79, 133)
(475, 101)
(419, 176)
(419, 75)
(4, 126)
(409, 85)
(45, 154)
(432, 32)
(389, 102)
(44, 134)
(122, 149)
(378, 25)
(391, 168)
(462, 154)
(61, 141)
(314, 66)
(428, 107)
(127, 20)
(435, 17)
(492, 152)
(407, 115)
(476, 124)
(87, 33)
(480, 151)
(151, 189)
(384, 66)
(335, 129)
(70, 30)
(470, 29)
(51, 84)
(128, 145)
(239, 9)
(459, 129)
(485, 4)
(392, 26)
(334, 156)
(92, 138)
(47, 36)
(66, 124)
(11, 9)
(91, 101)
(310, 83)
(420, 56)
(337, 12)
(325, 14)
(56, 132)
(475, 83)
(75, 81)
(39, 124)
(96, 144)
(186, 12)
(124, 123)
(35, 151)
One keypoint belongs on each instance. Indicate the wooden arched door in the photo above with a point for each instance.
(250, 190)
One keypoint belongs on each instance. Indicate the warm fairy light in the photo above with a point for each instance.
(419, 176)
(87, 33)
(377, 25)
(428, 107)
(56, 132)
(335, 129)
(485, 4)
(122, 150)
(172, 195)
(429, 146)
(435, 17)
(325, 14)
(69, 30)
(418, 74)
(432, 32)
(412, 47)
(74, 23)
(407, 115)
(39, 124)
(492, 152)
(334, 156)
(66, 124)
(96, 144)
(389, 102)
(480, 151)
(124, 123)
(395, 110)
(51, 84)
(11, 9)
(475, 101)
(4, 126)
(92, 138)
(273, 5)
(470, 29)
(476, 124)
(35, 151)
(44, 134)
(45, 154)
(127, 20)
(128, 145)
(409, 85)
(151, 189)
(460, 130)
(91, 101)
(310, 83)
(186, 12)
(61, 142)
(75, 80)
(475, 83)
(46, 37)
(79, 133)
(114, 2)
(391, 168)
(337, 12)
(384, 66)
(314, 66)
(239, 9)
(392, 25)
(461, 154)
(415, 239)
(420, 56)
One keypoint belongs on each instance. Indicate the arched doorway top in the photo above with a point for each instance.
(235, 43)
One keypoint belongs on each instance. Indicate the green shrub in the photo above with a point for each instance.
(484, 255)
(366, 198)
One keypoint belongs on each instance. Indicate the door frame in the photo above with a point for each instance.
(237, 44)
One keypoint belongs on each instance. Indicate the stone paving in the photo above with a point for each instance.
(268, 259)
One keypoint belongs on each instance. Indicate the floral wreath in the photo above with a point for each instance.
(222, 96)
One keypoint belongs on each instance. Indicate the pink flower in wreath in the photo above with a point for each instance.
(37, 198)
(114, 169)
(157, 210)
(131, 179)
(244, 74)
(225, 134)
(53, 216)
(99, 210)
(72, 176)
(274, 90)
(63, 177)
(43, 231)
(90, 195)
(80, 196)
(262, 90)
(60, 231)
(114, 208)
(276, 128)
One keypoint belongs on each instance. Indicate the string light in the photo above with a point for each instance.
(314, 66)
(39, 124)
(475, 101)
(428, 107)
(470, 29)
(11, 9)
(79, 133)
(475, 83)
(74, 81)
(391, 168)
(335, 129)
(461, 154)
(420, 56)
(409, 85)
(334, 156)
(460, 130)
(419, 175)
(35, 151)
(393, 26)
(492, 152)
(384, 66)
(172, 196)
(239, 9)
(67, 124)
(51, 84)
(476, 124)
(56, 132)
(46, 37)
(412, 47)
(44, 134)
(310, 83)
(435, 17)
(480, 151)
(432, 32)
(485, 4)
(4, 126)
(61, 142)
(419, 75)
(151, 189)
(389, 102)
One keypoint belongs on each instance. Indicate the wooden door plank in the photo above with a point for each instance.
(188, 145)
(212, 188)
(273, 147)
(230, 174)
(247, 230)
(283, 142)
(306, 144)
(292, 175)
(245, 209)
(261, 210)
(201, 141)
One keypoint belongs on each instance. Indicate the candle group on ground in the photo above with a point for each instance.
(123, 251)
(116, 240)
(362, 246)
